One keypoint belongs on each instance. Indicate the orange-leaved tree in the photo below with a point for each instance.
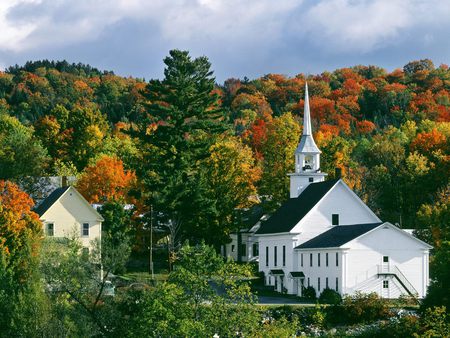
(106, 180)
(20, 233)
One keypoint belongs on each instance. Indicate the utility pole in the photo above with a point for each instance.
(151, 242)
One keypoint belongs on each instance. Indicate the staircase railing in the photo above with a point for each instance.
(395, 271)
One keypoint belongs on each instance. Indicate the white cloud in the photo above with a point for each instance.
(363, 26)
(32, 24)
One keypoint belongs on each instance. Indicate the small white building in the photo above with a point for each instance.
(324, 236)
(65, 213)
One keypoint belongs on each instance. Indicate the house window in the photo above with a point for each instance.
(50, 229)
(275, 256)
(284, 255)
(243, 250)
(337, 258)
(326, 259)
(385, 284)
(337, 284)
(232, 247)
(385, 259)
(318, 284)
(335, 219)
(255, 249)
(301, 260)
(318, 259)
(267, 256)
(326, 283)
(311, 179)
(85, 231)
(310, 259)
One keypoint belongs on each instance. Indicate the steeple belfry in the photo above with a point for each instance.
(307, 156)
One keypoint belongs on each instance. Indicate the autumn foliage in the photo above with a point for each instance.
(20, 229)
(107, 180)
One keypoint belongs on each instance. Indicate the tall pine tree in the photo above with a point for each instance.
(183, 118)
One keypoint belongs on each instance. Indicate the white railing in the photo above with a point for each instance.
(393, 270)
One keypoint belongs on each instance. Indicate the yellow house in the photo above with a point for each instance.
(65, 213)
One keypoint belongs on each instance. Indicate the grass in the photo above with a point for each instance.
(144, 277)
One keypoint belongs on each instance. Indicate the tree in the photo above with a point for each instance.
(231, 176)
(20, 232)
(278, 152)
(182, 121)
(20, 153)
(189, 304)
(106, 181)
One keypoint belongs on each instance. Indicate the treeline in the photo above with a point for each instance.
(388, 132)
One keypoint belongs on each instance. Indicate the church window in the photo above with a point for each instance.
(275, 256)
(318, 259)
(335, 219)
(326, 259)
(318, 284)
(326, 283)
(337, 284)
(311, 179)
(284, 255)
(385, 259)
(309, 284)
(232, 247)
(255, 249)
(267, 256)
(385, 284)
(301, 260)
(337, 258)
(243, 249)
(310, 259)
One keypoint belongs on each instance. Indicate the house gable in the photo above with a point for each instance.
(384, 236)
(294, 210)
(67, 203)
(340, 200)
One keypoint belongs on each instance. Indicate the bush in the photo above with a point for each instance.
(360, 308)
(309, 293)
(329, 296)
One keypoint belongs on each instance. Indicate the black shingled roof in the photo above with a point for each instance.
(338, 236)
(294, 209)
(50, 200)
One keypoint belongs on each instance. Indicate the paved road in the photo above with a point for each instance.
(266, 300)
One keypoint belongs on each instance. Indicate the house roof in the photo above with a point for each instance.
(50, 200)
(297, 274)
(339, 235)
(277, 272)
(294, 209)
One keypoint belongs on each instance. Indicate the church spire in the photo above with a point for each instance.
(307, 144)
(307, 156)
(306, 114)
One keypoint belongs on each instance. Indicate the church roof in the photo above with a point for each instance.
(307, 145)
(339, 235)
(294, 209)
(50, 200)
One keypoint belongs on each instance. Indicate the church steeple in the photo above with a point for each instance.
(307, 156)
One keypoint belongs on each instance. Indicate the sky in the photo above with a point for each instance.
(240, 37)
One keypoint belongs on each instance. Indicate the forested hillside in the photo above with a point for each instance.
(198, 148)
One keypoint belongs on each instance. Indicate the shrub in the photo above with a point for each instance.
(360, 308)
(309, 293)
(435, 321)
(329, 296)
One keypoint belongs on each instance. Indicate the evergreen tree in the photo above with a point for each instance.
(183, 118)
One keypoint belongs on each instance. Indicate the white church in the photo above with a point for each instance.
(324, 236)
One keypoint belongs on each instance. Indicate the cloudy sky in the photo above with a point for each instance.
(241, 37)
